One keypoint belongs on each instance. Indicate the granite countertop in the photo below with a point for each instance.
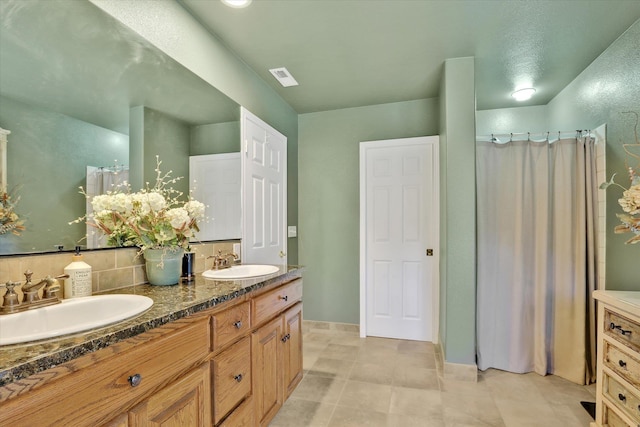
(170, 303)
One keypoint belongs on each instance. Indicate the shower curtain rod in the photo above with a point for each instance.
(114, 168)
(494, 136)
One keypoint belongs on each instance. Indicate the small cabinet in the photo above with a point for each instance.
(266, 346)
(277, 362)
(186, 402)
(292, 348)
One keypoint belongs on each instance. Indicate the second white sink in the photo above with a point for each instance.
(70, 316)
(241, 271)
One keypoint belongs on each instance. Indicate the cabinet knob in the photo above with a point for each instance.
(135, 380)
(286, 338)
(238, 324)
(286, 298)
(238, 377)
(622, 397)
(622, 363)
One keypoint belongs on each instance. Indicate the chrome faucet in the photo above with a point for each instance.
(31, 297)
(221, 261)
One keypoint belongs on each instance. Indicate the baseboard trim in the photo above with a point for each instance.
(308, 325)
(455, 371)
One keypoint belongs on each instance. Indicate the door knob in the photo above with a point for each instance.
(282, 254)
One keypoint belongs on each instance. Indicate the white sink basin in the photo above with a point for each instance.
(241, 271)
(70, 316)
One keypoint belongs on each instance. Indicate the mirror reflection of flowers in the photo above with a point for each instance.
(10, 221)
(152, 218)
(630, 201)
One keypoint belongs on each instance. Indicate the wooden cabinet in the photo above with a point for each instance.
(186, 402)
(292, 349)
(90, 390)
(618, 376)
(277, 349)
(230, 366)
(266, 346)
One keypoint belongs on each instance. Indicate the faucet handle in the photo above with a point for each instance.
(28, 274)
(10, 299)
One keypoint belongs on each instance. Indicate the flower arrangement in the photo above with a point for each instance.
(630, 201)
(10, 222)
(153, 218)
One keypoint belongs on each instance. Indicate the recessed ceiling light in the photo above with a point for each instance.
(237, 3)
(283, 76)
(523, 94)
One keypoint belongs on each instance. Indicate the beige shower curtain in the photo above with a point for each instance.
(537, 257)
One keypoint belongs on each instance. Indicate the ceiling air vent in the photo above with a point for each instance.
(284, 77)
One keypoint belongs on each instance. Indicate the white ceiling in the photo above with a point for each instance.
(352, 53)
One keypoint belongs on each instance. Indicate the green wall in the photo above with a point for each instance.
(215, 138)
(45, 149)
(599, 95)
(168, 26)
(167, 138)
(329, 197)
(457, 212)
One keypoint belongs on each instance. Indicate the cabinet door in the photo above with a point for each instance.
(266, 346)
(186, 402)
(292, 348)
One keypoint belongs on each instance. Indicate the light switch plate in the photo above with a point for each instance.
(292, 231)
(236, 249)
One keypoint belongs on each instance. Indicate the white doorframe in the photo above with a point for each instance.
(434, 227)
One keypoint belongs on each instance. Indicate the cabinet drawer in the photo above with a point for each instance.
(622, 329)
(93, 394)
(231, 324)
(622, 397)
(243, 416)
(612, 419)
(625, 365)
(273, 302)
(231, 378)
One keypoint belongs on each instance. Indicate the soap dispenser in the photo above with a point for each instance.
(79, 282)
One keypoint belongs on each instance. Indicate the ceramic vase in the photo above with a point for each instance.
(164, 266)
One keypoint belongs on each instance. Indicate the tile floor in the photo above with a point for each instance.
(349, 381)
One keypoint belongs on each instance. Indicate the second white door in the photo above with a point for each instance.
(264, 182)
(399, 220)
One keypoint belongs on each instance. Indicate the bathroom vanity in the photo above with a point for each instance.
(618, 380)
(221, 353)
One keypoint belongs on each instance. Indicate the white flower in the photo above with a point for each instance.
(195, 209)
(630, 201)
(178, 217)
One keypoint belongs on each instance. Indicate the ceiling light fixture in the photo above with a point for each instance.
(523, 94)
(238, 4)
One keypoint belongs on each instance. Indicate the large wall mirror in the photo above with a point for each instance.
(79, 89)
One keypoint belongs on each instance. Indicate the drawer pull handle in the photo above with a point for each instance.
(622, 397)
(622, 363)
(238, 377)
(135, 380)
(286, 298)
(619, 329)
(238, 324)
(286, 338)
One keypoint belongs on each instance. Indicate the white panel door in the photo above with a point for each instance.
(399, 215)
(215, 180)
(264, 239)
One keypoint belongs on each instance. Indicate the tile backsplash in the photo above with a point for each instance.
(111, 268)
